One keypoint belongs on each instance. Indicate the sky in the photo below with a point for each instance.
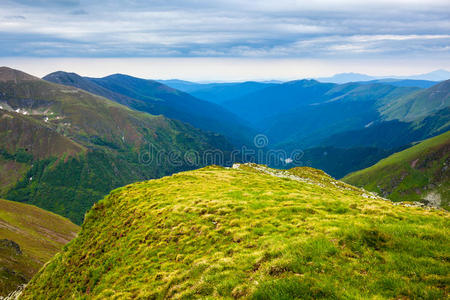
(225, 39)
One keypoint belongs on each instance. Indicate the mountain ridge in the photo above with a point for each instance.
(100, 146)
(436, 75)
(156, 98)
(8, 74)
(419, 104)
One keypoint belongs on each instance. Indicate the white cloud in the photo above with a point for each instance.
(266, 28)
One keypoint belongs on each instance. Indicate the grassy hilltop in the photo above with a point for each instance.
(250, 232)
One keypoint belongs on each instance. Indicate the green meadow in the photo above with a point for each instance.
(245, 233)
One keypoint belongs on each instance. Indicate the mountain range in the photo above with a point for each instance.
(313, 116)
(218, 92)
(66, 141)
(437, 75)
(377, 118)
(209, 90)
(314, 105)
(158, 99)
(63, 149)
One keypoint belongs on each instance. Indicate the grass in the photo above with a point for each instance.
(39, 234)
(411, 174)
(240, 233)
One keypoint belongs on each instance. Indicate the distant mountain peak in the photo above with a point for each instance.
(303, 82)
(346, 77)
(437, 75)
(118, 75)
(440, 71)
(124, 76)
(8, 74)
(63, 73)
(61, 76)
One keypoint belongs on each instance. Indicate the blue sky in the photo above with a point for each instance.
(322, 36)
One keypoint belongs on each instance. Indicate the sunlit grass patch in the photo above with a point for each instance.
(226, 233)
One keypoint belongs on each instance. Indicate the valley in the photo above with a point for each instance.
(157, 176)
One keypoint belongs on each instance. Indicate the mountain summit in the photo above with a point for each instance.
(249, 232)
(8, 74)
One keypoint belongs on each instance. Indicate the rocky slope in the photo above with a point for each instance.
(29, 237)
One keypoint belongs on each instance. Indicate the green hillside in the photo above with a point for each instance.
(419, 173)
(29, 237)
(250, 232)
(418, 104)
(63, 149)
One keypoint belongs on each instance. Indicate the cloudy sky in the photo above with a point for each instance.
(226, 39)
